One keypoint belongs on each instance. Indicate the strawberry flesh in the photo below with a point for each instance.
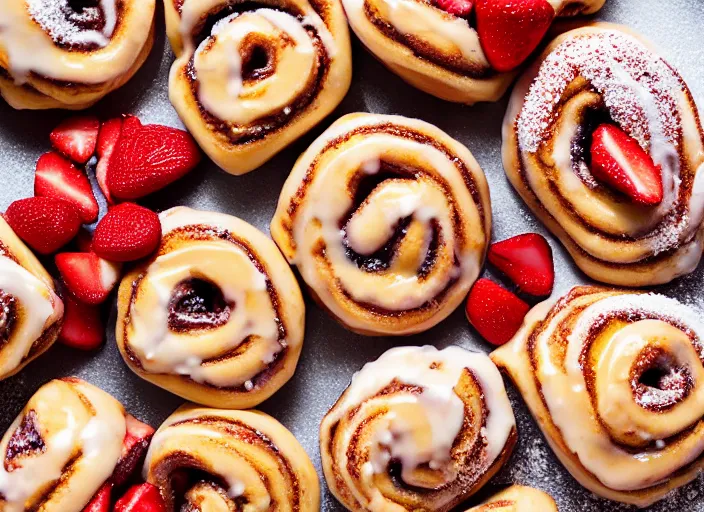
(128, 232)
(83, 325)
(134, 448)
(44, 223)
(57, 177)
(619, 162)
(510, 30)
(76, 137)
(108, 137)
(87, 276)
(101, 500)
(141, 498)
(527, 261)
(460, 8)
(495, 312)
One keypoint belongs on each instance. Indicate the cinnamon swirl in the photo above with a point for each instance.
(518, 498)
(211, 459)
(31, 313)
(388, 221)
(216, 316)
(603, 75)
(615, 380)
(69, 53)
(417, 429)
(250, 78)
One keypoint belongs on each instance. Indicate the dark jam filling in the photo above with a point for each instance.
(582, 141)
(188, 484)
(26, 440)
(198, 304)
(8, 316)
(60, 18)
(661, 383)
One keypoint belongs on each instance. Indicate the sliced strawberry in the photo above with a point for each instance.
(87, 276)
(495, 312)
(620, 162)
(457, 7)
(108, 136)
(128, 232)
(141, 498)
(76, 137)
(527, 261)
(101, 500)
(509, 30)
(84, 240)
(134, 448)
(148, 158)
(45, 223)
(57, 177)
(83, 325)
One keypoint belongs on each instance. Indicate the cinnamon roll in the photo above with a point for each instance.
(252, 77)
(438, 49)
(210, 459)
(388, 220)
(518, 498)
(68, 53)
(216, 316)
(596, 76)
(615, 380)
(31, 312)
(70, 440)
(417, 429)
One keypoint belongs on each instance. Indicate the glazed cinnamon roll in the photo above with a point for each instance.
(69, 54)
(518, 498)
(31, 312)
(435, 46)
(252, 77)
(70, 440)
(615, 380)
(417, 429)
(210, 459)
(598, 78)
(216, 316)
(388, 220)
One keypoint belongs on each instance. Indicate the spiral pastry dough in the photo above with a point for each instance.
(216, 317)
(31, 313)
(230, 460)
(605, 71)
(417, 429)
(518, 498)
(615, 379)
(69, 54)
(252, 77)
(388, 221)
(435, 50)
(61, 449)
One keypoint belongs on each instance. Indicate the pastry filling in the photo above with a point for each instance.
(659, 382)
(198, 304)
(76, 24)
(8, 316)
(25, 441)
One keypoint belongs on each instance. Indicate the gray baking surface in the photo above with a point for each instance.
(331, 354)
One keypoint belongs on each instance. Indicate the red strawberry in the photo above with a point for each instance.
(101, 500)
(495, 312)
(76, 137)
(620, 162)
(128, 232)
(134, 448)
(141, 498)
(57, 177)
(83, 325)
(45, 223)
(456, 7)
(509, 30)
(108, 136)
(527, 261)
(87, 276)
(147, 158)
(84, 240)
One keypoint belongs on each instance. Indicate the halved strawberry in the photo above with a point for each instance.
(134, 448)
(620, 162)
(57, 177)
(87, 276)
(45, 223)
(527, 261)
(509, 30)
(128, 232)
(101, 500)
(495, 312)
(83, 325)
(141, 498)
(76, 137)
(457, 7)
(148, 158)
(108, 137)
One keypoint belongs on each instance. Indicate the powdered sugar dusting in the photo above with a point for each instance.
(66, 25)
